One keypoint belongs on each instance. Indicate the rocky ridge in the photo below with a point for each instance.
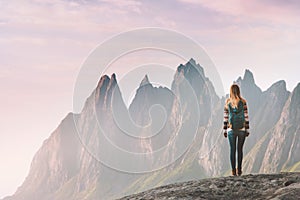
(258, 186)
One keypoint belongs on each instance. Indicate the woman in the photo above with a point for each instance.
(236, 121)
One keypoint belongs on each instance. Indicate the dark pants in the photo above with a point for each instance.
(238, 135)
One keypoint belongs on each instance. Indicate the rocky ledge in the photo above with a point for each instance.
(258, 186)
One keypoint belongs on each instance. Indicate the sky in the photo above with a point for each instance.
(44, 43)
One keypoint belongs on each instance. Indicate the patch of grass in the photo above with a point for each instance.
(293, 168)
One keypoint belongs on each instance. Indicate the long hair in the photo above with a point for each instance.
(235, 95)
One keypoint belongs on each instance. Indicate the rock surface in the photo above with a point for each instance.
(260, 186)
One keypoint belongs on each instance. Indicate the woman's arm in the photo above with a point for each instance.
(246, 116)
(225, 116)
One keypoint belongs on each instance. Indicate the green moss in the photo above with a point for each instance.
(187, 170)
(294, 168)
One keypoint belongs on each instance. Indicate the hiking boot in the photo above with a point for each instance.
(233, 172)
(239, 172)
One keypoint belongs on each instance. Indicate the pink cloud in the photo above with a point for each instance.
(254, 11)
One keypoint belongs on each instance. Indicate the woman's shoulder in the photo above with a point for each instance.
(244, 101)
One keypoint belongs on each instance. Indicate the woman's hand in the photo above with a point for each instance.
(247, 133)
(225, 133)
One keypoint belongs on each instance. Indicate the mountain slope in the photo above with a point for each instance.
(54, 164)
(193, 95)
(284, 145)
(277, 149)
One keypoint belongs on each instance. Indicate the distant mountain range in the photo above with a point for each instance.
(190, 126)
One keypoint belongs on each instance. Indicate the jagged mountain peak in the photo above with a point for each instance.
(103, 81)
(113, 77)
(248, 84)
(191, 68)
(279, 85)
(295, 101)
(297, 89)
(146, 96)
(145, 81)
(248, 76)
(113, 81)
(192, 61)
(191, 72)
(105, 88)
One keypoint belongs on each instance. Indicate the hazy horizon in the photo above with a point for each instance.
(43, 45)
